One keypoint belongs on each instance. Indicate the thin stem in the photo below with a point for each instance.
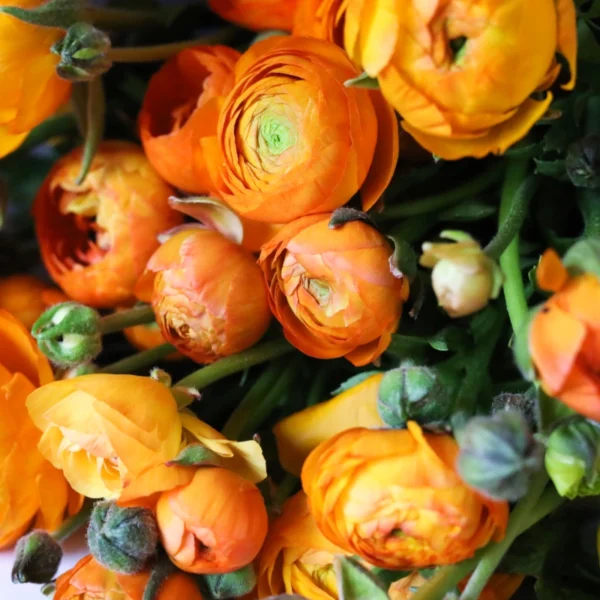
(140, 315)
(548, 503)
(141, 360)
(285, 489)
(118, 18)
(75, 523)
(233, 364)
(435, 202)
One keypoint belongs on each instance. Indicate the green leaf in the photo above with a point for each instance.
(403, 261)
(550, 411)
(355, 582)
(387, 577)
(196, 455)
(551, 168)
(362, 81)
(451, 338)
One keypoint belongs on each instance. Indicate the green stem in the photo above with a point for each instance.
(53, 127)
(548, 503)
(514, 289)
(140, 361)
(316, 392)
(285, 489)
(162, 569)
(140, 315)
(119, 18)
(233, 364)
(74, 524)
(436, 202)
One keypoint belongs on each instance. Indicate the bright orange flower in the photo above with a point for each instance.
(31, 89)
(463, 73)
(207, 294)
(564, 337)
(322, 19)
(333, 289)
(290, 114)
(88, 580)
(257, 14)
(296, 557)
(32, 491)
(215, 524)
(27, 297)
(181, 108)
(96, 237)
(394, 498)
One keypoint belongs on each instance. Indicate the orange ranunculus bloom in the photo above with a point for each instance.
(296, 557)
(27, 297)
(102, 430)
(207, 294)
(460, 72)
(333, 289)
(215, 524)
(32, 491)
(96, 237)
(299, 434)
(31, 89)
(564, 337)
(181, 108)
(394, 498)
(88, 580)
(322, 19)
(290, 115)
(257, 14)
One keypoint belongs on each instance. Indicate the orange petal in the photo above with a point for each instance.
(551, 273)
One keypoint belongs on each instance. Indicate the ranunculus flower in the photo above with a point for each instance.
(299, 434)
(296, 557)
(181, 108)
(564, 337)
(257, 14)
(88, 580)
(333, 290)
(31, 89)
(322, 19)
(102, 430)
(464, 75)
(207, 294)
(394, 498)
(96, 237)
(215, 524)
(294, 140)
(32, 491)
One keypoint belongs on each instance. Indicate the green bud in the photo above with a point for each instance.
(583, 162)
(413, 392)
(521, 403)
(231, 585)
(83, 53)
(37, 557)
(498, 455)
(122, 539)
(69, 334)
(573, 458)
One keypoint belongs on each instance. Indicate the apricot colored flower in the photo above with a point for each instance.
(296, 557)
(31, 89)
(564, 337)
(333, 290)
(256, 14)
(394, 498)
(322, 19)
(215, 524)
(181, 108)
(207, 294)
(88, 580)
(96, 237)
(299, 434)
(463, 74)
(27, 297)
(294, 140)
(32, 491)
(102, 430)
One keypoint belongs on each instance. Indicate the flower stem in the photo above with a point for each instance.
(118, 18)
(140, 315)
(75, 523)
(140, 361)
(233, 364)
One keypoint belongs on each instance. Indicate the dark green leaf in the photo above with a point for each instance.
(551, 168)
(196, 455)
(355, 582)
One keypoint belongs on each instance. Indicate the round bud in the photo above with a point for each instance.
(37, 557)
(583, 162)
(231, 585)
(522, 403)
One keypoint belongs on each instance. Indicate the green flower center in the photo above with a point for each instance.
(319, 290)
(275, 135)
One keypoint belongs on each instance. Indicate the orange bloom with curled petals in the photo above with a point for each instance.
(181, 108)
(322, 19)
(256, 14)
(464, 74)
(290, 115)
(333, 290)
(216, 523)
(394, 498)
(96, 237)
(564, 337)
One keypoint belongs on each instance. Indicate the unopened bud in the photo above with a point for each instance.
(69, 334)
(83, 53)
(37, 557)
(521, 403)
(583, 162)
(464, 279)
(499, 455)
(122, 539)
(231, 585)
